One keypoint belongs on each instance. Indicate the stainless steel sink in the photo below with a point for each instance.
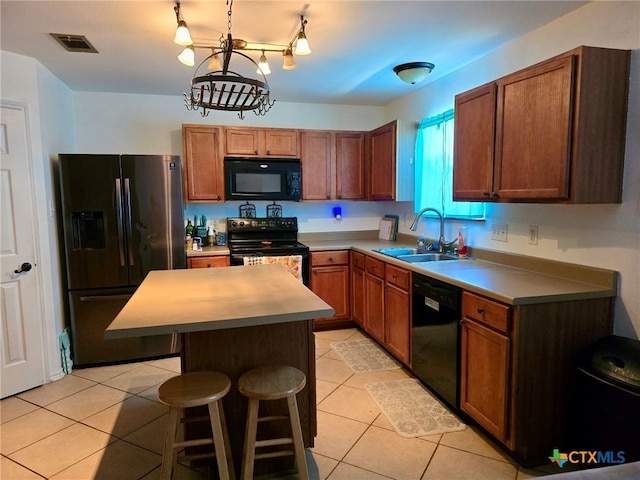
(426, 257)
(396, 251)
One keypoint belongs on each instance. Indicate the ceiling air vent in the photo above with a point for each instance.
(74, 43)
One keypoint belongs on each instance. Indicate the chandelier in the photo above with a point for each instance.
(221, 88)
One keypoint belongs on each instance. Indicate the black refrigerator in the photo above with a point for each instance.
(122, 217)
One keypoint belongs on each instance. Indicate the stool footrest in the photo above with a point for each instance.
(272, 418)
(282, 453)
(194, 443)
(274, 441)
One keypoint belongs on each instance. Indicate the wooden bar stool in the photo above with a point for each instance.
(196, 389)
(272, 383)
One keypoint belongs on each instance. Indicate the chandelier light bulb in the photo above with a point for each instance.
(302, 44)
(187, 57)
(289, 61)
(214, 62)
(263, 65)
(183, 37)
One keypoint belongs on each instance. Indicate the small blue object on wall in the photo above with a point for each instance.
(337, 212)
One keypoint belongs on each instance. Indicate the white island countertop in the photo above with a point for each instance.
(192, 300)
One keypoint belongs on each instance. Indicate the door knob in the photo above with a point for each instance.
(25, 267)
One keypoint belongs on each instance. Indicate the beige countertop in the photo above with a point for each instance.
(192, 300)
(208, 251)
(509, 278)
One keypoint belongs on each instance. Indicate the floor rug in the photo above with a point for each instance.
(364, 356)
(412, 410)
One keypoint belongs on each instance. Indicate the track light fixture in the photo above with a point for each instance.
(223, 89)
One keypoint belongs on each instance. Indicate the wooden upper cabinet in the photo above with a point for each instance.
(559, 132)
(350, 165)
(533, 132)
(247, 142)
(475, 113)
(382, 167)
(316, 153)
(203, 163)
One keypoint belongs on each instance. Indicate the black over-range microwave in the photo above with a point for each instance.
(262, 178)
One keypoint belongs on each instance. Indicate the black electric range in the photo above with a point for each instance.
(266, 237)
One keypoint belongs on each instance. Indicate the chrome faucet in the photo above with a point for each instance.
(442, 243)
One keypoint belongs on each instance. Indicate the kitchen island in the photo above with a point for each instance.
(232, 320)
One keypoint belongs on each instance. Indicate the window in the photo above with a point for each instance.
(434, 169)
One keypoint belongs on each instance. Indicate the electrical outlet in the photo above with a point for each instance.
(533, 234)
(499, 232)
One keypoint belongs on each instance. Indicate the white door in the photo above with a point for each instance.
(21, 349)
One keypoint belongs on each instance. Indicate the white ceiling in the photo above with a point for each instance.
(355, 44)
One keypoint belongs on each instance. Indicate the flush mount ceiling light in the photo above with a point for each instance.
(413, 72)
(223, 89)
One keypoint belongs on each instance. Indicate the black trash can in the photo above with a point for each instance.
(608, 397)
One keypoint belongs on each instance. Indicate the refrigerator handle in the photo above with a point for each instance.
(127, 201)
(120, 222)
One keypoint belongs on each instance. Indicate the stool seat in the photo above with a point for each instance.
(194, 389)
(271, 382)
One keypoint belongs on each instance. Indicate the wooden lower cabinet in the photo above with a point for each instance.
(210, 261)
(397, 312)
(484, 377)
(518, 368)
(330, 281)
(357, 288)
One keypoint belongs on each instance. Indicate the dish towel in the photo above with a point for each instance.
(293, 263)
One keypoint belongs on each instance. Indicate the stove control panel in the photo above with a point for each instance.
(262, 224)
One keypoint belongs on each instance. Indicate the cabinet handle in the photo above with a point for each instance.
(315, 272)
(395, 277)
(328, 197)
(268, 152)
(494, 195)
(255, 151)
(331, 259)
(481, 311)
(379, 282)
(209, 265)
(486, 194)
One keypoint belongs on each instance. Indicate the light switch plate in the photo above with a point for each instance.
(499, 232)
(533, 234)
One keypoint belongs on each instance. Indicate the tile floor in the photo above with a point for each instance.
(106, 423)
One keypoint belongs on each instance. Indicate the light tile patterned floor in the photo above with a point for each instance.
(106, 423)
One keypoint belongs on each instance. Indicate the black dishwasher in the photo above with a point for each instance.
(435, 352)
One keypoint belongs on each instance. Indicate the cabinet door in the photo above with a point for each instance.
(203, 163)
(382, 167)
(240, 141)
(350, 165)
(315, 158)
(280, 143)
(397, 322)
(473, 152)
(357, 296)
(332, 285)
(374, 306)
(533, 132)
(484, 377)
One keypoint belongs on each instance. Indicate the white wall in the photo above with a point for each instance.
(605, 236)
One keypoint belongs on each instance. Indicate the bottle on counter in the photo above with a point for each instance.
(211, 236)
(189, 229)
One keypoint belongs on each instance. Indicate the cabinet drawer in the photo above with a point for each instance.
(399, 277)
(374, 267)
(358, 259)
(209, 262)
(337, 257)
(488, 312)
